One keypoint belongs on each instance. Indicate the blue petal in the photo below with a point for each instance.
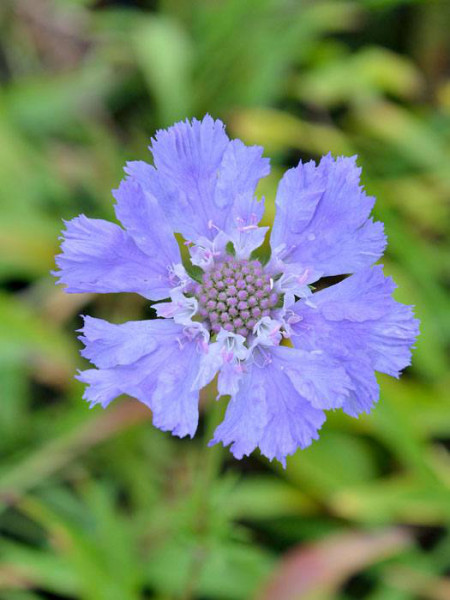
(229, 378)
(145, 222)
(202, 180)
(358, 323)
(269, 412)
(150, 360)
(365, 387)
(241, 168)
(315, 375)
(99, 256)
(322, 221)
(109, 345)
(247, 416)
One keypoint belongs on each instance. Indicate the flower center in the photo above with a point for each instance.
(235, 295)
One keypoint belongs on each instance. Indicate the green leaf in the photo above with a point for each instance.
(195, 272)
(230, 249)
(262, 254)
(164, 54)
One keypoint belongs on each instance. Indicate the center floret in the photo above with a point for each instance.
(235, 295)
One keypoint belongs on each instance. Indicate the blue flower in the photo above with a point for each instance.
(232, 319)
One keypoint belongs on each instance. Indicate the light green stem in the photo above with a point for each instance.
(209, 467)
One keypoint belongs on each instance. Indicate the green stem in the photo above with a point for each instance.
(209, 468)
(213, 456)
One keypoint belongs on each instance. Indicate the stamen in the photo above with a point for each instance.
(253, 224)
(212, 226)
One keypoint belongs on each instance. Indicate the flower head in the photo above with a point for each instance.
(231, 319)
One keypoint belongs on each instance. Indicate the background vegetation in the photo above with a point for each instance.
(99, 505)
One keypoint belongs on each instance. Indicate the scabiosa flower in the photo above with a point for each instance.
(232, 318)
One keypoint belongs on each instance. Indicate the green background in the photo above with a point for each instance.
(98, 505)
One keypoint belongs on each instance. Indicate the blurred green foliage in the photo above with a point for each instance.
(101, 506)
